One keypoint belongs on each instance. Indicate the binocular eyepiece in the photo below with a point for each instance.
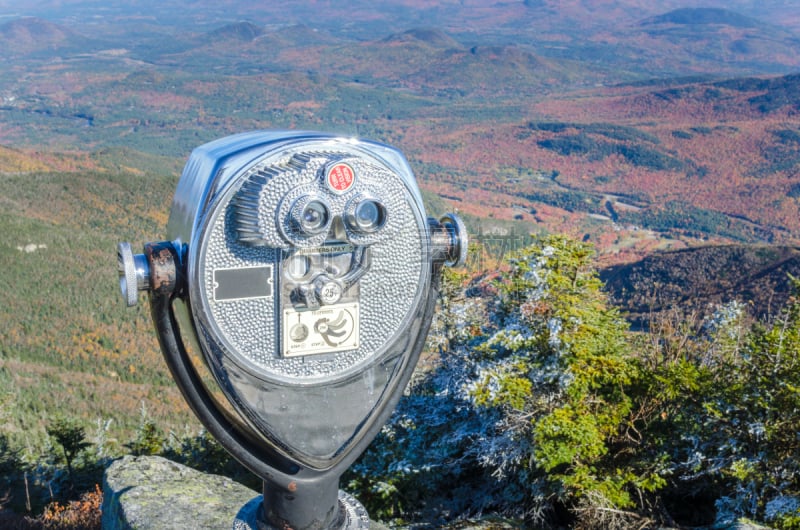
(304, 269)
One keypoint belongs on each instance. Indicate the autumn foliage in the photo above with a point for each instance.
(83, 514)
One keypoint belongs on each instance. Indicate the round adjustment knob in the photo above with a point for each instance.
(458, 240)
(134, 273)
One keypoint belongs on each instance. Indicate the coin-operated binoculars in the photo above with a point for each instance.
(304, 268)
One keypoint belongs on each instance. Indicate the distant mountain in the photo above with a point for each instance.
(28, 35)
(431, 62)
(246, 48)
(701, 278)
(239, 31)
(712, 39)
(476, 109)
(703, 16)
(768, 94)
(298, 36)
(422, 60)
(739, 98)
(432, 36)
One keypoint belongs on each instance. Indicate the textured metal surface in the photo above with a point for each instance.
(294, 402)
(251, 228)
(271, 189)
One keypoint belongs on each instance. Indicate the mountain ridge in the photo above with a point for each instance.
(701, 279)
(33, 34)
(238, 31)
(702, 16)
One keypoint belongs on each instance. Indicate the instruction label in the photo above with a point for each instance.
(330, 329)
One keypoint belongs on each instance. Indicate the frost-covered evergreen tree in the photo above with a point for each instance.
(425, 464)
(543, 406)
(751, 435)
(527, 410)
(558, 369)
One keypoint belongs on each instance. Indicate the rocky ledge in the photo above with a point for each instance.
(150, 492)
(153, 493)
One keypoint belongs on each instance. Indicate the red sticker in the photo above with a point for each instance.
(340, 177)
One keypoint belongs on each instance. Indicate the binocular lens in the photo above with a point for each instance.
(368, 216)
(314, 217)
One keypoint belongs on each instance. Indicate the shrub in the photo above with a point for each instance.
(83, 514)
(557, 369)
